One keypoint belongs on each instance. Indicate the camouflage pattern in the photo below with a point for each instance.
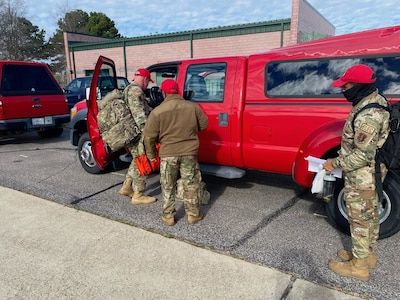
(362, 209)
(116, 125)
(357, 160)
(357, 154)
(138, 181)
(190, 177)
(203, 195)
(137, 103)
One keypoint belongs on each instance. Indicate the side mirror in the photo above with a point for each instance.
(87, 93)
(98, 93)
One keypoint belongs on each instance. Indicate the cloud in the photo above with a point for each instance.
(358, 15)
(140, 17)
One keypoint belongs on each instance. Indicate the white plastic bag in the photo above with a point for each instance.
(318, 182)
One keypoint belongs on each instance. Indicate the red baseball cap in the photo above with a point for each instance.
(357, 74)
(169, 86)
(144, 73)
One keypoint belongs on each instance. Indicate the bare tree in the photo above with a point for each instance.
(21, 40)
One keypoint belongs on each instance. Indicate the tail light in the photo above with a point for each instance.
(1, 108)
(66, 104)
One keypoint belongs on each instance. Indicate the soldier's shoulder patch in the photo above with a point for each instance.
(367, 128)
(361, 137)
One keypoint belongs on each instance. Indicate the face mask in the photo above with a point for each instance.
(351, 94)
(358, 92)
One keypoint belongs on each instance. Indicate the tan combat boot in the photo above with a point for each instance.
(140, 198)
(356, 268)
(168, 221)
(126, 189)
(348, 255)
(194, 220)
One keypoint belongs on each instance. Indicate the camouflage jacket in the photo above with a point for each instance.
(358, 148)
(137, 103)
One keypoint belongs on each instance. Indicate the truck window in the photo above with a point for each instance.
(161, 72)
(313, 78)
(207, 81)
(27, 80)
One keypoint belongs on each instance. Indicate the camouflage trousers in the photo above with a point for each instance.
(139, 181)
(188, 169)
(362, 210)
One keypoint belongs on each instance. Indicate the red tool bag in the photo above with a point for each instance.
(145, 166)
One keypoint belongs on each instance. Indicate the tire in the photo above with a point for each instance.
(389, 208)
(50, 132)
(85, 155)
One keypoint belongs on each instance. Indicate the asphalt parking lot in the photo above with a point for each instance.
(262, 218)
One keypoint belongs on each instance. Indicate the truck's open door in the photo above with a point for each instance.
(101, 153)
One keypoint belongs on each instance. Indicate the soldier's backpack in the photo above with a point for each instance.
(389, 153)
(116, 123)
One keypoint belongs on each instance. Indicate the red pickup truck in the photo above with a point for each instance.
(31, 99)
(269, 111)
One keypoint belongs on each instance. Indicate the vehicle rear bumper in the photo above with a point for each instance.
(26, 124)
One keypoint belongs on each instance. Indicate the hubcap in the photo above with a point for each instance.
(384, 207)
(86, 154)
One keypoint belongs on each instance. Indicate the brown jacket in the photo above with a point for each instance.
(174, 124)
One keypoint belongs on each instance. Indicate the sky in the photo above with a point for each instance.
(145, 17)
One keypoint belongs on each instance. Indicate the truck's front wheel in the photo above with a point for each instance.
(389, 208)
(85, 155)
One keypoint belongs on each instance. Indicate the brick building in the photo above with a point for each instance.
(306, 23)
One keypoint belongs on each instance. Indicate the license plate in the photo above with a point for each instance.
(42, 121)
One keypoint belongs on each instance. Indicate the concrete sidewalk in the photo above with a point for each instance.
(49, 251)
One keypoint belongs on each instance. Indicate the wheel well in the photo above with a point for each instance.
(78, 129)
(81, 128)
(331, 153)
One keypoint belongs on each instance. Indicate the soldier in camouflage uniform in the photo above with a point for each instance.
(175, 124)
(134, 183)
(357, 160)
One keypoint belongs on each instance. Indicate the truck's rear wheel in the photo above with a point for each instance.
(85, 155)
(389, 208)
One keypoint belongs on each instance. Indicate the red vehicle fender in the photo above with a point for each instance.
(322, 143)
